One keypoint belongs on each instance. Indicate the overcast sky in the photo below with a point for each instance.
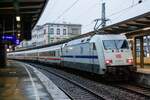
(85, 11)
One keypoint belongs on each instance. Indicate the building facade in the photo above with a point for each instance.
(50, 33)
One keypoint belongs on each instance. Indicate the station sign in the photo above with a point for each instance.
(11, 38)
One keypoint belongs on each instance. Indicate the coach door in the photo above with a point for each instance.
(93, 56)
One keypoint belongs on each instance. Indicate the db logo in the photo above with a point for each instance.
(118, 56)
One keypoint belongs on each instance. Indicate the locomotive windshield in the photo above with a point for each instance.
(115, 44)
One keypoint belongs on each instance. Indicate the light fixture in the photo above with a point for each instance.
(18, 18)
(147, 28)
(130, 39)
(34, 18)
(18, 31)
(18, 34)
(7, 49)
(18, 25)
(10, 46)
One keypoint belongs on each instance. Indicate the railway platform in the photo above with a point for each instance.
(18, 81)
(142, 75)
(145, 70)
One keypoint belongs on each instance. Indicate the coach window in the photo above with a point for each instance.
(50, 53)
(39, 54)
(30, 54)
(54, 53)
(42, 53)
(57, 52)
(36, 54)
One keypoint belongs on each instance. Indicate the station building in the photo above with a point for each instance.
(50, 33)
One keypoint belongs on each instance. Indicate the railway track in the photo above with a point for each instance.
(135, 89)
(86, 93)
(78, 88)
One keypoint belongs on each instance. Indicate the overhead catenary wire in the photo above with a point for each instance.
(125, 9)
(115, 13)
(133, 5)
(122, 10)
(66, 10)
(88, 24)
(52, 4)
(87, 10)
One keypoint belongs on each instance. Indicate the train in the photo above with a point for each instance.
(101, 54)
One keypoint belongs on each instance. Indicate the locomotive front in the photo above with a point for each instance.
(117, 56)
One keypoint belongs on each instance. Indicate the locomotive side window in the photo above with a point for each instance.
(115, 44)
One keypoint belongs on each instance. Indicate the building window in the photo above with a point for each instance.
(75, 31)
(44, 31)
(64, 31)
(51, 31)
(58, 31)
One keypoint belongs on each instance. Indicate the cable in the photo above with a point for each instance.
(66, 10)
(120, 11)
(52, 4)
(88, 24)
(133, 5)
(87, 10)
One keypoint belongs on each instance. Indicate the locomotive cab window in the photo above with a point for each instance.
(115, 44)
(122, 44)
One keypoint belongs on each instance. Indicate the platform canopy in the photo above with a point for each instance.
(20, 16)
(138, 23)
